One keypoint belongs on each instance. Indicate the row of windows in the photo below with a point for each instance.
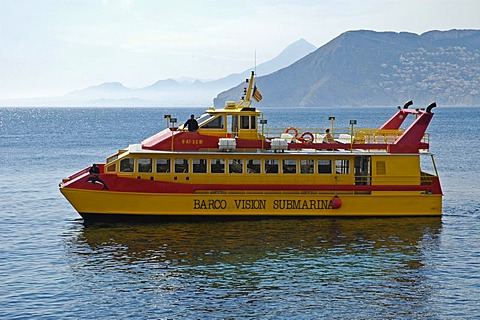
(234, 166)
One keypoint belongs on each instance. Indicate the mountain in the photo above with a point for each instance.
(185, 91)
(378, 68)
(162, 84)
(108, 90)
(289, 55)
(179, 92)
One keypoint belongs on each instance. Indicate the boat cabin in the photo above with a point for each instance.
(230, 122)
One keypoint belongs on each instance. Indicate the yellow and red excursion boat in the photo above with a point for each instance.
(233, 166)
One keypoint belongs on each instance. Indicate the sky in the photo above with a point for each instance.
(52, 47)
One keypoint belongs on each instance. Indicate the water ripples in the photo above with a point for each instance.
(52, 266)
(267, 269)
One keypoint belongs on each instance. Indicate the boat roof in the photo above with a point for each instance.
(138, 149)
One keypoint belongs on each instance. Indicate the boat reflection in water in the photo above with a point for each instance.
(282, 264)
(250, 241)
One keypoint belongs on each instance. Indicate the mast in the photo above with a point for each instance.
(246, 100)
(248, 95)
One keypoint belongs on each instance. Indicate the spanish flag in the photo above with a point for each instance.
(256, 94)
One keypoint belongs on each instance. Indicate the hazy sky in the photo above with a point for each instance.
(51, 47)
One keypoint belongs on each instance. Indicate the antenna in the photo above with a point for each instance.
(255, 61)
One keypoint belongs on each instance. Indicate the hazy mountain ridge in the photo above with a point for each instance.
(356, 68)
(166, 92)
(378, 68)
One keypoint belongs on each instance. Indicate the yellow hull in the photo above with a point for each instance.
(88, 202)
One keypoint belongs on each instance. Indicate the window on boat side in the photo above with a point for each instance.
(181, 165)
(306, 166)
(271, 166)
(144, 165)
(127, 165)
(204, 118)
(232, 121)
(215, 123)
(245, 122)
(289, 166)
(112, 168)
(217, 166)
(342, 166)
(254, 166)
(199, 165)
(163, 165)
(324, 166)
(248, 122)
(235, 166)
(112, 158)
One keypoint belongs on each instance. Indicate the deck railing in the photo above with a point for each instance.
(342, 135)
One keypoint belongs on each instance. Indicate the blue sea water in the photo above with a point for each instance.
(52, 266)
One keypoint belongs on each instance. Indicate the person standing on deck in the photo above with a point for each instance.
(192, 124)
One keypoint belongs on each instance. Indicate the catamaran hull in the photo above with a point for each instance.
(103, 204)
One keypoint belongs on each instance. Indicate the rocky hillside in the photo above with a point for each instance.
(378, 68)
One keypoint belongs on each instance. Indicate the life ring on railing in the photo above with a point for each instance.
(307, 137)
(292, 129)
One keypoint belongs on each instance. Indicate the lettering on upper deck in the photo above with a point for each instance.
(192, 141)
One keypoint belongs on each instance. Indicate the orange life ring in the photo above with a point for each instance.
(307, 137)
(294, 130)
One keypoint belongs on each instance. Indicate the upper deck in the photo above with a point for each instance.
(240, 127)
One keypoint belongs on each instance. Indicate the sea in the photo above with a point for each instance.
(53, 266)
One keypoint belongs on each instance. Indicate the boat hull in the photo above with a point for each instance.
(104, 204)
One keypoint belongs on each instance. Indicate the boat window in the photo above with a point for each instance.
(112, 168)
(271, 166)
(181, 165)
(199, 165)
(163, 165)
(253, 122)
(235, 166)
(233, 123)
(361, 170)
(427, 169)
(324, 166)
(144, 165)
(112, 158)
(342, 166)
(127, 165)
(253, 166)
(306, 166)
(289, 166)
(245, 122)
(216, 123)
(217, 166)
(204, 118)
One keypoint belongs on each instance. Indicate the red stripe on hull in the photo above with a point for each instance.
(120, 184)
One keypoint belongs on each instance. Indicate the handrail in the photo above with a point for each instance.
(360, 135)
